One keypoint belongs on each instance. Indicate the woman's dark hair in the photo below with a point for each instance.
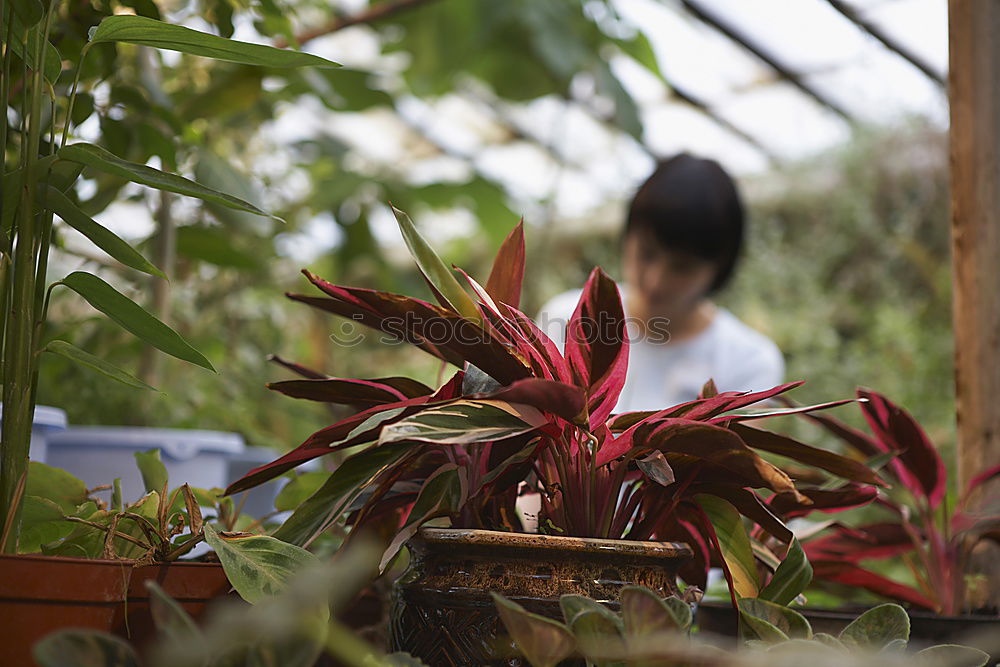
(691, 204)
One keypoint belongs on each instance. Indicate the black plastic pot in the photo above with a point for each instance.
(926, 629)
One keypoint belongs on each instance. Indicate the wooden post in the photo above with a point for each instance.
(974, 90)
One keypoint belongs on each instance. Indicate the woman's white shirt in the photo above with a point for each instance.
(662, 373)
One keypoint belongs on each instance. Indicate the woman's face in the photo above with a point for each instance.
(663, 282)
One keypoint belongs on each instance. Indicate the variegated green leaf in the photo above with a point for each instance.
(735, 544)
(446, 287)
(791, 577)
(464, 422)
(258, 566)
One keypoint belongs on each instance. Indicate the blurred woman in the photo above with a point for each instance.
(680, 245)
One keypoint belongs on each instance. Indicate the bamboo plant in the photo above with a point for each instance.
(40, 164)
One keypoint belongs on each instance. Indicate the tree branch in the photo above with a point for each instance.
(370, 15)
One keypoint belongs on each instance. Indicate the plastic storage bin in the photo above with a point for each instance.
(99, 454)
(47, 420)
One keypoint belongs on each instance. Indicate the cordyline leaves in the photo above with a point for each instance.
(443, 493)
(714, 445)
(919, 467)
(851, 574)
(436, 330)
(357, 429)
(442, 281)
(465, 422)
(347, 391)
(597, 346)
(874, 540)
(734, 544)
(701, 408)
(788, 506)
(507, 275)
(776, 443)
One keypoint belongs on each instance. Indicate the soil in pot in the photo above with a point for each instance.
(42, 594)
(442, 612)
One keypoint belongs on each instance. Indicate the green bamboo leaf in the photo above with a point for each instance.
(735, 543)
(102, 237)
(64, 349)
(52, 61)
(791, 577)
(160, 35)
(29, 12)
(258, 566)
(100, 159)
(132, 317)
(446, 287)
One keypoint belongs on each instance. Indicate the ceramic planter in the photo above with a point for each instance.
(442, 612)
(41, 594)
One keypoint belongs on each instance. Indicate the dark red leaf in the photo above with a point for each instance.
(548, 360)
(872, 541)
(823, 500)
(504, 283)
(297, 368)
(798, 451)
(558, 398)
(597, 347)
(701, 409)
(919, 466)
(709, 443)
(978, 481)
(853, 575)
(439, 331)
(346, 391)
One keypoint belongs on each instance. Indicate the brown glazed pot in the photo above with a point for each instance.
(442, 612)
(41, 594)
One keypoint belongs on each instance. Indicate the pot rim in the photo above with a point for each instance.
(125, 562)
(538, 541)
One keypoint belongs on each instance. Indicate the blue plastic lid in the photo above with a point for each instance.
(177, 443)
(46, 416)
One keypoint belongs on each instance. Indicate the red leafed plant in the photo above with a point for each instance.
(934, 541)
(520, 416)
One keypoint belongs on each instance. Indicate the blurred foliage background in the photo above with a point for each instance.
(846, 266)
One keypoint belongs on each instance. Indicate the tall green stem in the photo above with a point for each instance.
(19, 345)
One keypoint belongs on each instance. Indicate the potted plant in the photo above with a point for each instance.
(40, 167)
(912, 522)
(638, 497)
(654, 631)
(85, 559)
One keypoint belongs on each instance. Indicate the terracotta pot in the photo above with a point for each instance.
(41, 594)
(926, 629)
(442, 612)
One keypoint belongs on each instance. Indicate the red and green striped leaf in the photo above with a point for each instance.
(504, 283)
(597, 347)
